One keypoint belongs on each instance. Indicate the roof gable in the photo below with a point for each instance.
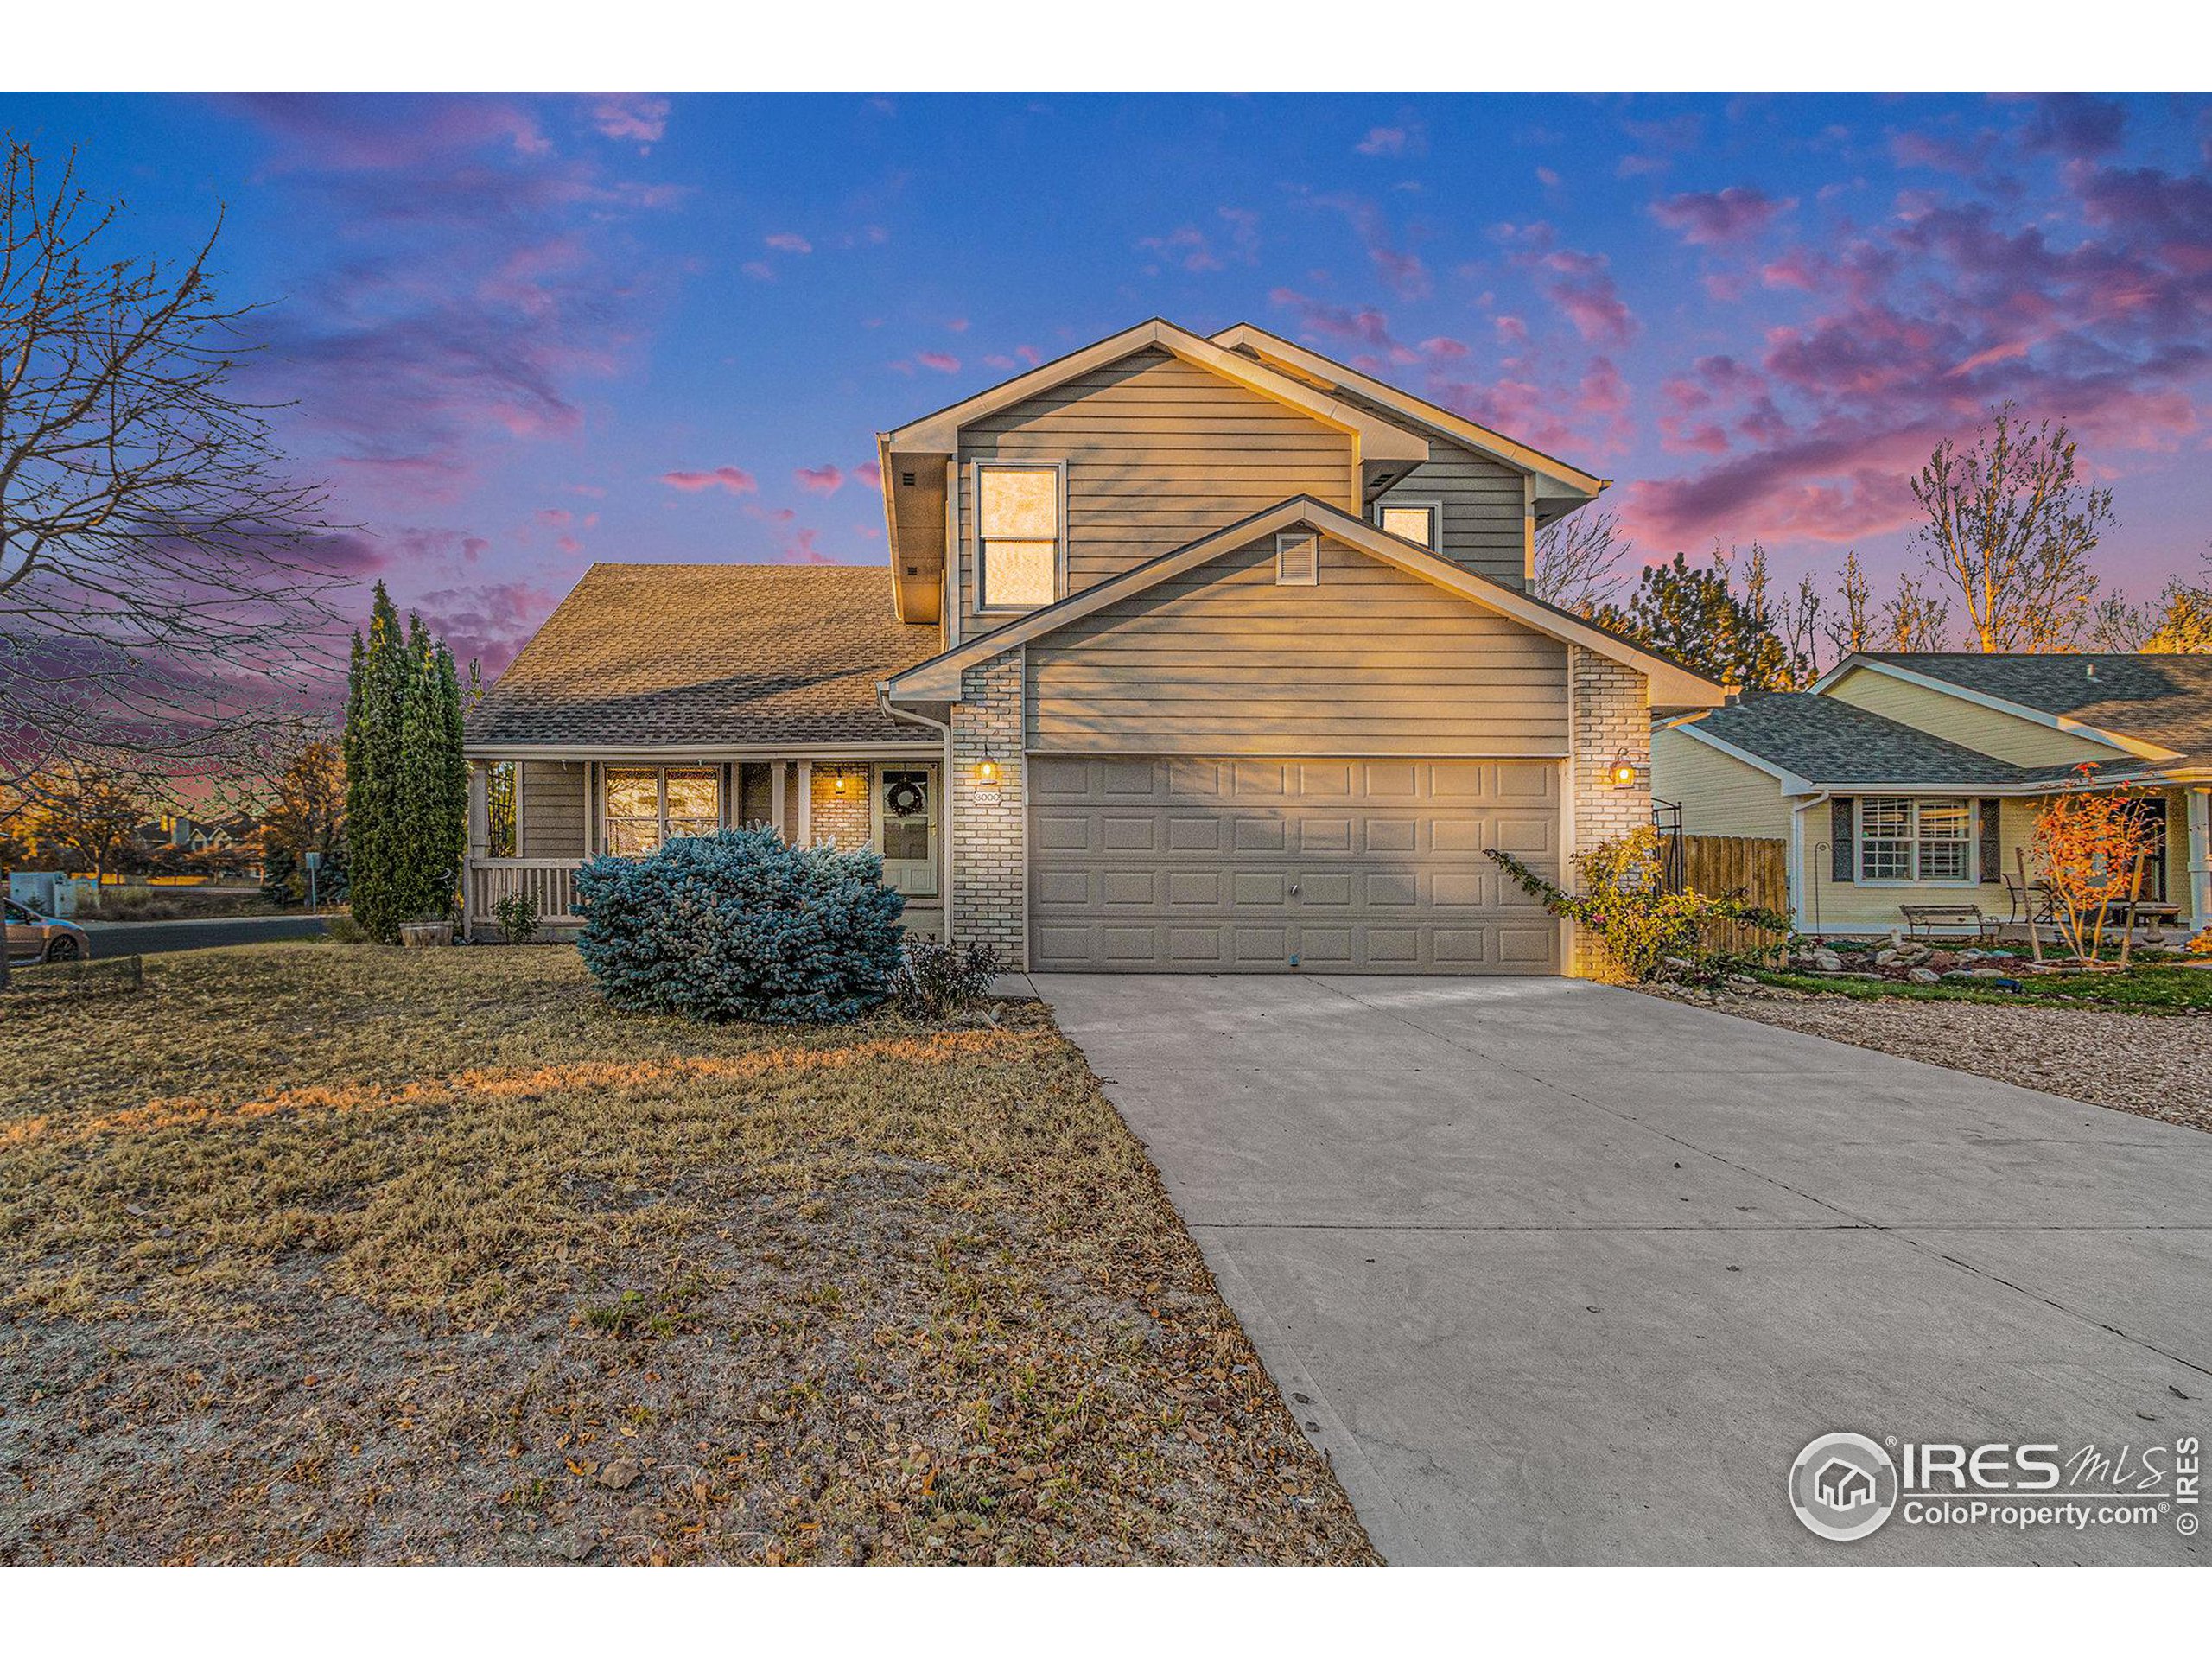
(1672, 685)
(1380, 438)
(1386, 398)
(2152, 706)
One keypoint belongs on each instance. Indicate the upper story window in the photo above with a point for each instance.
(1018, 537)
(647, 805)
(1901, 839)
(1413, 521)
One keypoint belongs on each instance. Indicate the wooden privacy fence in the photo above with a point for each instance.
(1745, 867)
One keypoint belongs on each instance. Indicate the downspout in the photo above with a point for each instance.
(943, 729)
(1800, 878)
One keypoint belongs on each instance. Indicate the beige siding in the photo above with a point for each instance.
(551, 818)
(1717, 793)
(1158, 453)
(1370, 662)
(1992, 731)
(1482, 500)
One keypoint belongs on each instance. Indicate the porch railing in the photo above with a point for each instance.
(551, 881)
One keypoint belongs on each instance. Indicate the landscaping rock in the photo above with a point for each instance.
(1924, 975)
(1826, 961)
(617, 1475)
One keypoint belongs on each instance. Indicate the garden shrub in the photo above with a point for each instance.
(517, 915)
(344, 929)
(936, 979)
(739, 927)
(1647, 932)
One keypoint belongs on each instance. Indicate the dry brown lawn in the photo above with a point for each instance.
(311, 1253)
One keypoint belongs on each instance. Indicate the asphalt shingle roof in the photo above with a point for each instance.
(2161, 699)
(659, 654)
(1837, 744)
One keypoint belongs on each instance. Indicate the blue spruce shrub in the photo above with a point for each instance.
(739, 927)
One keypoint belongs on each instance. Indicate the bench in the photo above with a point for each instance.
(1925, 920)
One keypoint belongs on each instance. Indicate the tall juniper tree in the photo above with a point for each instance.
(406, 782)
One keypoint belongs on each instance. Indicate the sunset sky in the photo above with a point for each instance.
(521, 334)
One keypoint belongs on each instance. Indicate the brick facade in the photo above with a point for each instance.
(990, 868)
(842, 818)
(1611, 711)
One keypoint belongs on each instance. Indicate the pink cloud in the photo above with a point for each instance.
(1363, 328)
(486, 624)
(870, 473)
(630, 116)
(1582, 286)
(1709, 217)
(735, 480)
(759, 270)
(788, 242)
(943, 362)
(820, 481)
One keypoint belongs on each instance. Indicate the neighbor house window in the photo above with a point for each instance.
(1412, 521)
(1018, 537)
(647, 805)
(1901, 839)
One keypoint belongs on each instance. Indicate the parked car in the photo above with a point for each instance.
(33, 938)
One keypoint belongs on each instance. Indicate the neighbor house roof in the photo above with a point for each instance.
(2153, 699)
(1822, 742)
(707, 656)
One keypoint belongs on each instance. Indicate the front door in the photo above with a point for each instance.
(907, 834)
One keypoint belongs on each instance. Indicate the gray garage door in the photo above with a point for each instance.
(1210, 866)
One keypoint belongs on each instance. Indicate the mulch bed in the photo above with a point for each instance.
(311, 1253)
(2154, 1066)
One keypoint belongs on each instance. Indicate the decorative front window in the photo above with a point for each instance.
(1901, 839)
(1412, 521)
(647, 805)
(1018, 537)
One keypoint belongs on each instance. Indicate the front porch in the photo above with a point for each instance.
(536, 816)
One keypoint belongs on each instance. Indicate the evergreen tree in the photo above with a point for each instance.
(407, 785)
(1694, 616)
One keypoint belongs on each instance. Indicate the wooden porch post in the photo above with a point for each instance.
(479, 843)
(776, 786)
(806, 803)
(2199, 856)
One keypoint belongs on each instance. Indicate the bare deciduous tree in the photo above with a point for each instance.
(2011, 527)
(157, 600)
(1915, 619)
(1853, 628)
(1582, 560)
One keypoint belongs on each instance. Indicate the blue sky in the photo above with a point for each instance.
(522, 333)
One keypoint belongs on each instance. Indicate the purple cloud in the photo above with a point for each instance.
(1705, 217)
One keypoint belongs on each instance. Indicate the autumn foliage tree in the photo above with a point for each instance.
(2088, 847)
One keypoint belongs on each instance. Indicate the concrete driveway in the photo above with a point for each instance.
(1557, 1273)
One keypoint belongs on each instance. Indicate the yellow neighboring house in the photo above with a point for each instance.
(1915, 778)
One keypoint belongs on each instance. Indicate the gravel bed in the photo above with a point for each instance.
(2154, 1066)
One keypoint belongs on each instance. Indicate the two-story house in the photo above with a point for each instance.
(1194, 654)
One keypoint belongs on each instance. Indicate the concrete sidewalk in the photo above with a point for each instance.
(1557, 1273)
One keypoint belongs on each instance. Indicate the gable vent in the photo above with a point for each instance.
(1298, 559)
(907, 478)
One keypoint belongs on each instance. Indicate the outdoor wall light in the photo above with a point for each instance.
(987, 770)
(839, 783)
(1622, 772)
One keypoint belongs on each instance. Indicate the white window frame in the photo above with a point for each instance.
(1913, 839)
(660, 800)
(1059, 470)
(1414, 503)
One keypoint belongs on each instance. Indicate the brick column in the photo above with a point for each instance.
(1611, 715)
(991, 866)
